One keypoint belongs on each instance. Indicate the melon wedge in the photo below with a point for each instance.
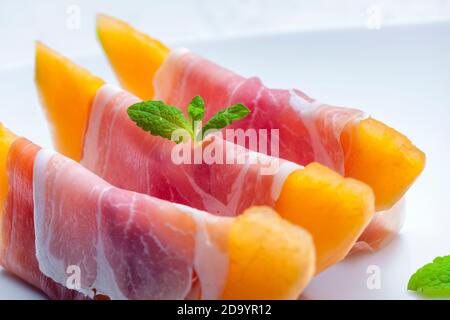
(269, 258)
(383, 158)
(67, 111)
(133, 62)
(334, 209)
(376, 154)
(6, 139)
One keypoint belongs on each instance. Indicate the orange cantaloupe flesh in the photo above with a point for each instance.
(383, 158)
(132, 63)
(335, 210)
(269, 258)
(378, 155)
(6, 140)
(66, 110)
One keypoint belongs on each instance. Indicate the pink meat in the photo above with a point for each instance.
(17, 237)
(309, 131)
(125, 245)
(382, 229)
(130, 158)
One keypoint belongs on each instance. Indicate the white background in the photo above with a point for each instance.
(23, 21)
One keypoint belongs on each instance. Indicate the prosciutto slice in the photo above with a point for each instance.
(60, 219)
(127, 245)
(312, 127)
(128, 157)
(382, 229)
(17, 245)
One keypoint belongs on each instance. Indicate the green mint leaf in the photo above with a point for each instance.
(433, 279)
(196, 109)
(226, 117)
(196, 112)
(158, 118)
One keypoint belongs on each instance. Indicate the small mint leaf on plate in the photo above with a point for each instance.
(433, 279)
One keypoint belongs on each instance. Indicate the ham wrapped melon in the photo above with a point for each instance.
(57, 216)
(343, 139)
(335, 210)
(17, 240)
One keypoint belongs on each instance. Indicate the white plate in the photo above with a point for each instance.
(400, 75)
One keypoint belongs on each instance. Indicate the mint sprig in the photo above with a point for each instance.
(161, 119)
(433, 279)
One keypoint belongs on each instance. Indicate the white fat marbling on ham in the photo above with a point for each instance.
(317, 116)
(126, 245)
(284, 171)
(39, 196)
(210, 260)
(102, 101)
(307, 110)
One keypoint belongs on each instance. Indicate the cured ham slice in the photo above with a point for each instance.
(313, 128)
(125, 245)
(113, 141)
(17, 244)
(382, 229)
